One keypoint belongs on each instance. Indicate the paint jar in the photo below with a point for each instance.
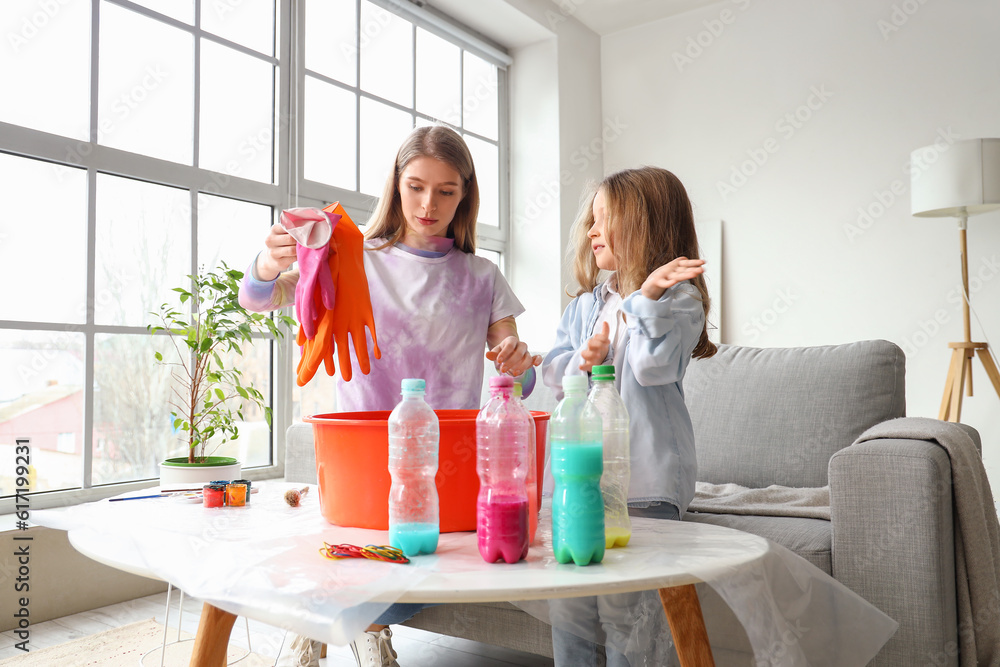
(246, 483)
(223, 482)
(236, 494)
(213, 495)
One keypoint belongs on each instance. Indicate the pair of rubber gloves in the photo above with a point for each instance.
(331, 297)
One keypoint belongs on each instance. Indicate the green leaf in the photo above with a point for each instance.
(241, 391)
(159, 357)
(218, 392)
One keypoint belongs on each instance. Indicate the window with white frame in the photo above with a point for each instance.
(161, 138)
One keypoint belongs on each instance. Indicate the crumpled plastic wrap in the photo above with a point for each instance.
(265, 564)
(261, 561)
(792, 612)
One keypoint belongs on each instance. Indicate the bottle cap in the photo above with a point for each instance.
(575, 383)
(501, 381)
(603, 372)
(413, 385)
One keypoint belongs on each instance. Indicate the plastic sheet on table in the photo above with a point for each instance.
(776, 609)
(273, 565)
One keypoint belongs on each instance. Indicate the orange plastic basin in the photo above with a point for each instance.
(352, 465)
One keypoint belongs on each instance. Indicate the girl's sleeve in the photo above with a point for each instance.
(260, 296)
(564, 357)
(663, 333)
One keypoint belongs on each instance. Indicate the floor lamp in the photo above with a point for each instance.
(956, 181)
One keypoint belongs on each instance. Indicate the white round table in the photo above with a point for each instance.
(262, 562)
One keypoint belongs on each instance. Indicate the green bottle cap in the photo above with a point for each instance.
(603, 372)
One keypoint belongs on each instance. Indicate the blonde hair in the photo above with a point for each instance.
(650, 223)
(444, 144)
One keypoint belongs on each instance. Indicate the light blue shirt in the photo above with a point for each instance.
(657, 347)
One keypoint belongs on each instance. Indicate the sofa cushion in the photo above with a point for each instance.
(776, 416)
(810, 538)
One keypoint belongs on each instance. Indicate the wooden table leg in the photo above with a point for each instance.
(212, 641)
(687, 625)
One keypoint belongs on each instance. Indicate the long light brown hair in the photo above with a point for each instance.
(650, 223)
(444, 144)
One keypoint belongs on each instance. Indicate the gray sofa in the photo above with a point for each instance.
(788, 416)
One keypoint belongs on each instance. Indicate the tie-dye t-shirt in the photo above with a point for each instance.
(431, 316)
(431, 312)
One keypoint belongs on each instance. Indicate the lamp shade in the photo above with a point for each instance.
(958, 180)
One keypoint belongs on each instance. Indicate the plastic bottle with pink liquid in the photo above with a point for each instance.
(502, 463)
(531, 478)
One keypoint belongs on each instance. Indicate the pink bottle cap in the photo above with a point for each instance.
(501, 381)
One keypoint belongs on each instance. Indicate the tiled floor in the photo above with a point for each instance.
(416, 648)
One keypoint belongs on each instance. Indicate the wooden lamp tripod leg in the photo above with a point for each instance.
(952, 400)
(991, 368)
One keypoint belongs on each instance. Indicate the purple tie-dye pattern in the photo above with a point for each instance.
(431, 316)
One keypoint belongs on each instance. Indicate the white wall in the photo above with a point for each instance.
(556, 147)
(801, 264)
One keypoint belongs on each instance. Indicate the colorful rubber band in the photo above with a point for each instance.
(372, 552)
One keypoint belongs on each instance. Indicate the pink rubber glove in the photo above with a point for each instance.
(315, 290)
(312, 230)
(311, 227)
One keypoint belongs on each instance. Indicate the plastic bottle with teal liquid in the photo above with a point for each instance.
(577, 460)
(414, 519)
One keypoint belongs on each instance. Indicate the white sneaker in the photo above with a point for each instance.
(374, 649)
(299, 652)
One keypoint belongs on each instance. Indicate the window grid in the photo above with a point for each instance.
(286, 155)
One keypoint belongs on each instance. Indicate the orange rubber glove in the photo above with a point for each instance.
(352, 310)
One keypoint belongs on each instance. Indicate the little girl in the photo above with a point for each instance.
(436, 305)
(648, 318)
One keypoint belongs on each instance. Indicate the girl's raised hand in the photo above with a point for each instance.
(668, 275)
(511, 356)
(278, 253)
(596, 350)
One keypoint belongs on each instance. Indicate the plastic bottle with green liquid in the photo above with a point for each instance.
(616, 475)
(577, 461)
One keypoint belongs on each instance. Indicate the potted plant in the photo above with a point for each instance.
(209, 390)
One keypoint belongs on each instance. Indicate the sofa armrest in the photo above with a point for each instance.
(300, 454)
(893, 542)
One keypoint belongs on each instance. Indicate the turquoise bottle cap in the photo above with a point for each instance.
(413, 385)
(603, 372)
(575, 383)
